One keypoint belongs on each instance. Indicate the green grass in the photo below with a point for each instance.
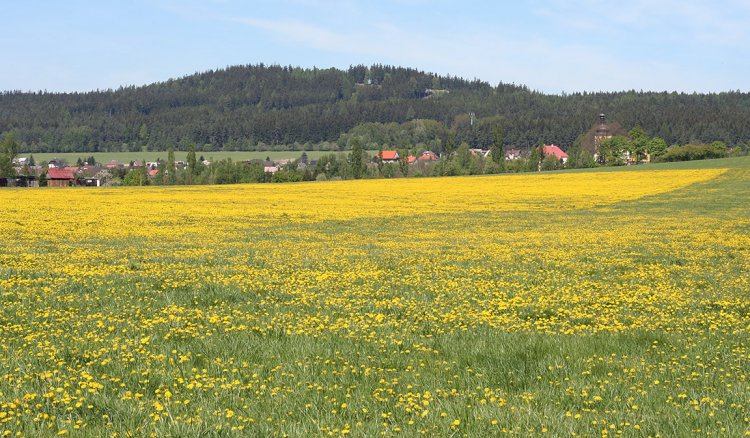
(718, 163)
(671, 380)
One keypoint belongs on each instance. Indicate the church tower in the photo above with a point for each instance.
(602, 133)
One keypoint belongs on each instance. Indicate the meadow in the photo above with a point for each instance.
(563, 304)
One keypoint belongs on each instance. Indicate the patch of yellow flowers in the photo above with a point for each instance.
(174, 310)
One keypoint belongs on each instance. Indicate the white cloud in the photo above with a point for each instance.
(540, 64)
(712, 22)
(296, 31)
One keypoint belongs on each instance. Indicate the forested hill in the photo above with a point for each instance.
(273, 107)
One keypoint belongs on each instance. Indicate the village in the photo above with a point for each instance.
(58, 173)
(385, 162)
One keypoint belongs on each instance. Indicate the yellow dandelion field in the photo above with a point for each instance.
(593, 303)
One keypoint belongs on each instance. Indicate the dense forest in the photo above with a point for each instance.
(262, 107)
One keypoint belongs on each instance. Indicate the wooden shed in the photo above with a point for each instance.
(60, 178)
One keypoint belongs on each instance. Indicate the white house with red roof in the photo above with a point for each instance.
(390, 156)
(556, 152)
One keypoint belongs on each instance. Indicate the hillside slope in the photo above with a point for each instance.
(242, 107)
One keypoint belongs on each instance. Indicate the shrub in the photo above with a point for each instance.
(690, 152)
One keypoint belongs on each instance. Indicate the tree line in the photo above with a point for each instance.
(271, 107)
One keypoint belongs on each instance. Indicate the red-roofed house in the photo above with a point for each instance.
(114, 164)
(59, 177)
(153, 172)
(556, 152)
(428, 156)
(388, 156)
(411, 159)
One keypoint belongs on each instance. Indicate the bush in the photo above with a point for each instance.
(136, 177)
(690, 152)
(551, 162)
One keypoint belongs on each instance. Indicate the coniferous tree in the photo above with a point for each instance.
(497, 152)
(171, 170)
(249, 107)
(358, 166)
(192, 164)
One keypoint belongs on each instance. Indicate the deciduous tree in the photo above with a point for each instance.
(8, 151)
(497, 152)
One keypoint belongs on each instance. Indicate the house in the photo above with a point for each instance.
(513, 154)
(270, 169)
(89, 181)
(390, 156)
(411, 159)
(26, 181)
(59, 177)
(428, 156)
(89, 170)
(484, 153)
(556, 152)
(153, 172)
(19, 181)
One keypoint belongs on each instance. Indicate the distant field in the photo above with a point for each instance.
(555, 304)
(104, 157)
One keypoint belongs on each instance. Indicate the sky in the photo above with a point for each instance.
(553, 46)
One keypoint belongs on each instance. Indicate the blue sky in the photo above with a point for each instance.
(549, 45)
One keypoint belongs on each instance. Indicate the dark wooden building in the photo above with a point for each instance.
(60, 178)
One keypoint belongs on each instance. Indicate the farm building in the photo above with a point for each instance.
(59, 178)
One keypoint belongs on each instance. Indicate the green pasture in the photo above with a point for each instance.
(659, 380)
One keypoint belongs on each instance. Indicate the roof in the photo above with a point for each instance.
(388, 155)
(411, 159)
(54, 173)
(554, 150)
(153, 172)
(428, 156)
